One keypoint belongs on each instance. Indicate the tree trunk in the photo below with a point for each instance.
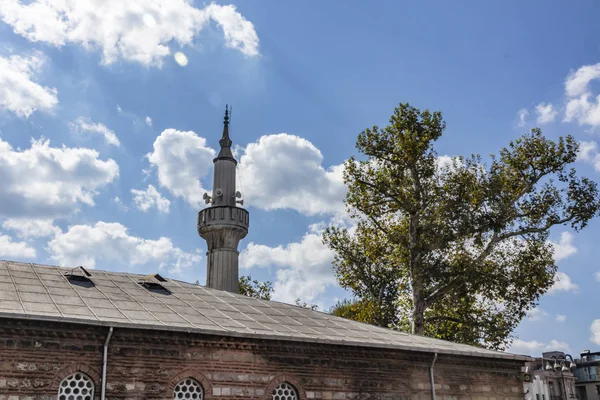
(418, 313)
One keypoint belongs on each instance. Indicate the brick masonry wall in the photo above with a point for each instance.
(35, 357)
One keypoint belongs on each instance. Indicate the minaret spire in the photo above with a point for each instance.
(225, 141)
(223, 224)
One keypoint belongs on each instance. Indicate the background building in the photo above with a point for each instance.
(588, 376)
(551, 377)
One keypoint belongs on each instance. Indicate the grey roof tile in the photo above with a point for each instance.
(9, 294)
(168, 317)
(45, 307)
(7, 285)
(92, 293)
(61, 291)
(31, 291)
(107, 312)
(68, 300)
(100, 303)
(34, 297)
(12, 306)
(75, 310)
(140, 316)
(16, 267)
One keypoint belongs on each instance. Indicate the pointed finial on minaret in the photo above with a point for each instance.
(225, 141)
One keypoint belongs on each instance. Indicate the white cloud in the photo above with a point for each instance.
(582, 105)
(595, 329)
(18, 91)
(182, 158)
(522, 115)
(525, 347)
(83, 124)
(277, 172)
(577, 83)
(535, 348)
(31, 228)
(556, 345)
(111, 243)
(45, 182)
(564, 247)
(239, 33)
(15, 250)
(138, 122)
(137, 30)
(597, 275)
(537, 314)
(561, 318)
(563, 283)
(303, 268)
(146, 199)
(588, 153)
(545, 113)
(117, 200)
(587, 150)
(285, 171)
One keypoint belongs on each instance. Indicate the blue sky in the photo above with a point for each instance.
(110, 115)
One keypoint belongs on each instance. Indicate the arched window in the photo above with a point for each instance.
(285, 391)
(77, 386)
(188, 389)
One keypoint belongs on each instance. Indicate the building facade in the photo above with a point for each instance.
(46, 361)
(588, 376)
(74, 334)
(547, 381)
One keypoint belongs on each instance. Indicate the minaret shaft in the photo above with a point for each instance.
(223, 224)
(224, 181)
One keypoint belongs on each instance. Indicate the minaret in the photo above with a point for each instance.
(223, 224)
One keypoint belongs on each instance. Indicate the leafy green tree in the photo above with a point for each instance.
(254, 288)
(454, 249)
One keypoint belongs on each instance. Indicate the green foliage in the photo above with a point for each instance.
(306, 305)
(254, 288)
(362, 310)
(456, 251)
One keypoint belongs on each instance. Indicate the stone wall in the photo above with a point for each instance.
(35, 357)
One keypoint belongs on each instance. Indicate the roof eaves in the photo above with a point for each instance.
(263, 336)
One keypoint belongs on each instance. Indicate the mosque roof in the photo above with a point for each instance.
(118, 299)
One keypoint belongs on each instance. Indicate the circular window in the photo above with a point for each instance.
(76, 387)
(188, 389)
(285, 391)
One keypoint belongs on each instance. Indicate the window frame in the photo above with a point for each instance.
(193, 382)
(285, 385)
(91, 386)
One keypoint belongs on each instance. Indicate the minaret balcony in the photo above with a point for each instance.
(224, 217)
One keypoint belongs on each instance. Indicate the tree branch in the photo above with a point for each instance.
(440, 291)
(372, 186)
(442, 318)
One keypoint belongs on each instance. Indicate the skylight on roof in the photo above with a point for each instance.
(153, 282)
(80, 276)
